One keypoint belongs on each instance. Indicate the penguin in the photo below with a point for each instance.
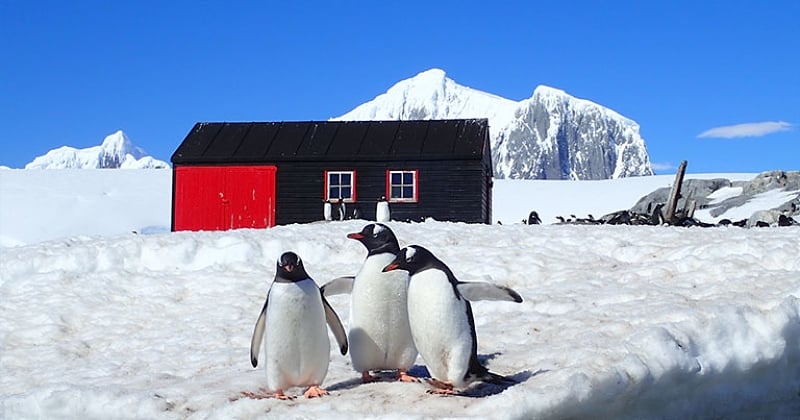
(292, 322)
(327, 210)
(533, 218)
(441, 321)
(336, 209)
(382, 213)
(379, 332)
(342, 210)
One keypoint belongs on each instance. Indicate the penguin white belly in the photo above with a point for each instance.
(380, 335)
(297, 348)
(440, 326)
(382, 212)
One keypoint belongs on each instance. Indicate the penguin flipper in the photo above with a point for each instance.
(258, 334)
(481, 290)
(338, 286)
(335, 325)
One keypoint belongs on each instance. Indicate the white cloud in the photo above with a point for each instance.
(662, 166)
(758, 129)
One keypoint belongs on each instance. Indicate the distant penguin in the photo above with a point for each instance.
(382, 213)
(336, 208)
(327, 210)
(379, 336)
(292, 322)
(533, 218)
(441, 321)
(342, 210)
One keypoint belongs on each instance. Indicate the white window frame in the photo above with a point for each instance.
(414, 185)
(352, 184)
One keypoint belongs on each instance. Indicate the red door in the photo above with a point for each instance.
(224, 197)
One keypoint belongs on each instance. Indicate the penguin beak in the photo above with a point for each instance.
(357, 236)
(288, 267)
(391, 267)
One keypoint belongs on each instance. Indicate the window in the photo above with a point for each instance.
(402, 186)
(341, 185)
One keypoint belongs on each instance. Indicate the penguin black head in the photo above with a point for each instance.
(413, 259)
(290, 268)
(377, 238)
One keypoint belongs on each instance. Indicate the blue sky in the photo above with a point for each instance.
(716, 83)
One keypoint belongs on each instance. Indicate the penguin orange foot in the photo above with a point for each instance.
(440, 387)
(314, 392)
(402, 376)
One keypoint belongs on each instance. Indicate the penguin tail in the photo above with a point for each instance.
(481, 373)
(496, 379)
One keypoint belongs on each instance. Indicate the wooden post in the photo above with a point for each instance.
(692, 208)
(675, 194)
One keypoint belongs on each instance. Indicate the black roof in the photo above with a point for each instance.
(258, 142)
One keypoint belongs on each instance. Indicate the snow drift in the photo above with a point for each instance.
(617, 321)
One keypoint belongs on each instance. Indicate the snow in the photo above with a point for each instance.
(432, 95)
(617, 321)
(523, 133)
(555, 95)
(116, 151)
(765, 200)
(41, 205)
(551, 198)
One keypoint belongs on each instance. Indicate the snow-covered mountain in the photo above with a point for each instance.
(551, 135)
(116, 151)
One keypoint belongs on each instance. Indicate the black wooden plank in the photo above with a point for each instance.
(288, 140)
(227, 140)
(378, 139)
(196, 142)
(440, 138)
(348, 139)
(470, 138)
(318, 139)
(409, 138)
(257, 141)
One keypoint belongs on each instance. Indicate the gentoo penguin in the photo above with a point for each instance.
(342, 210)
(292, 322)
(533, 218)
(327, 210)
(382, 213)
(441, 320)
(379, 336)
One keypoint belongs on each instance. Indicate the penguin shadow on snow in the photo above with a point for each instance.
(477, 390)
(386, 376)
(486, 389)
(480, 389)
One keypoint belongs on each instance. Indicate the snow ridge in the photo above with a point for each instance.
(550, 135)
(116, 151)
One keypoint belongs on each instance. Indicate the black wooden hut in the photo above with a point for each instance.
(259, 174)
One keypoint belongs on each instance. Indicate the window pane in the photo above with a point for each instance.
(408, 178)
(396, 192)
(396, 177)
(408, 192)
(333, 179)
(346, 192)
(345, 180)
(332, 192)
